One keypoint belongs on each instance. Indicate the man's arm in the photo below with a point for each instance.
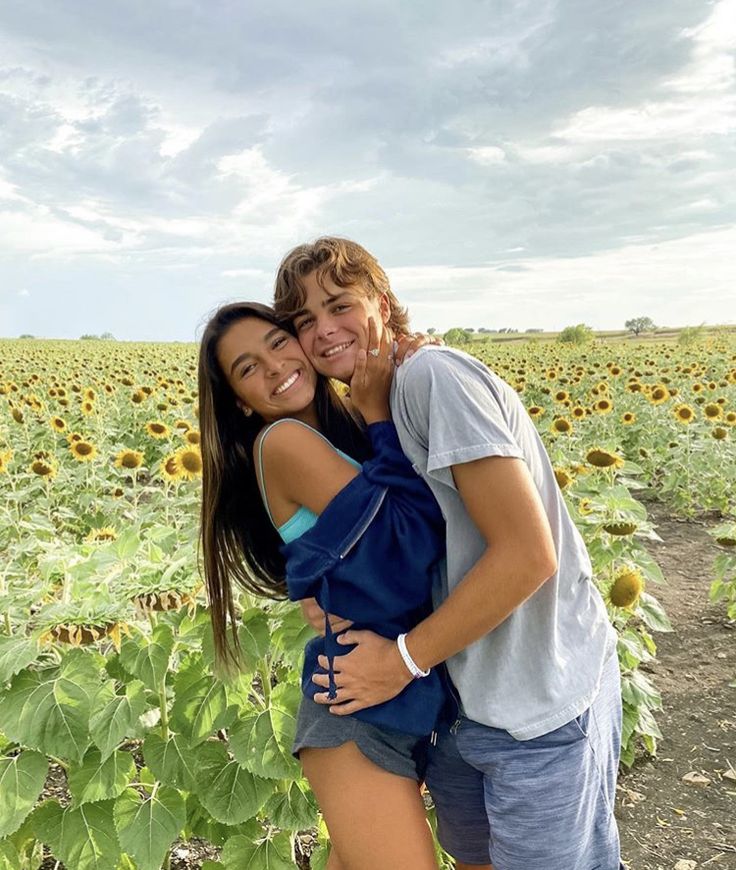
(502, 500)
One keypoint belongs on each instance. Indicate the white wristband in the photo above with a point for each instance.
(412, 666)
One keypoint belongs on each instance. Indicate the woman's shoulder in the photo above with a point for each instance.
(288, 438)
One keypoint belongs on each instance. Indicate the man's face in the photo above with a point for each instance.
(333, 325)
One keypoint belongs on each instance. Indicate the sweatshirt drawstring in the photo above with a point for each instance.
(329, 640)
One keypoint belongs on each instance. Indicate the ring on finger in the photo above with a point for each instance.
(374, 351)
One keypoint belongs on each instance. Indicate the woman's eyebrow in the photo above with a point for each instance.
(243, 356)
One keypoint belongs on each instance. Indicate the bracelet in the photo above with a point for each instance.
(412, 666)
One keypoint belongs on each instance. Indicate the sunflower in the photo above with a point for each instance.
(713, 411)
(731, 418)
(561, 426)
(170, 468)
(137, 397)
(684, 414)
(129, 459)
(561, 396)
(87, 407)
(17, 415)
(563, 477)
(189, 460)
(58, 424)
(184, 425)
(535, 411)
(603, 458)
(5, 458)
(579, 412)
(89, 394)
(106, 533)
(626, 588)
(43, 468)
(628, 417)
(157, 429)
(633, 387)
(73, 436)
(603, 406)
(83, 451)
(658, 394)
(719, 433)
(620, 529)
(193, 437)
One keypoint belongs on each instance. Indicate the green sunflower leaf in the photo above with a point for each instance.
(261, 740)
(83, 838)
(101, 778)
(228, 791)
(21, 782)
(148, 826)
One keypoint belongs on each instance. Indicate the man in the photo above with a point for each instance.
(524, 777)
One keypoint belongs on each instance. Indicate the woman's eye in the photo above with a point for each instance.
(302, 324)
(341, 307)
(280, 341)
(247, 370)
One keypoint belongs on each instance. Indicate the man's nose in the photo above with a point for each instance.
(325, 325)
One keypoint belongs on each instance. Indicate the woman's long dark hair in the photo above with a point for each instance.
(238, 540)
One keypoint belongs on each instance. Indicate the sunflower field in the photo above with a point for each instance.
(117, 739)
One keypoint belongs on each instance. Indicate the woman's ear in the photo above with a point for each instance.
(244, 408)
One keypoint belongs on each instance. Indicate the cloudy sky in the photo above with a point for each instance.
(524, 163)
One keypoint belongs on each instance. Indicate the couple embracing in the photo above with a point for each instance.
(462, 641)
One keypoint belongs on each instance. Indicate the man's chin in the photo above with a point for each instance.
(340, 370)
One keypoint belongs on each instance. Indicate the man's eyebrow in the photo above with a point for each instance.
(326, 301)
(244, 356)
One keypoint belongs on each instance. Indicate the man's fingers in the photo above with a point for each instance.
(346, 709)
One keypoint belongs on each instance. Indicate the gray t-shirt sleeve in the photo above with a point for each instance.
(456, 410)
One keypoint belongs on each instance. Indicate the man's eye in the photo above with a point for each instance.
(303, 323)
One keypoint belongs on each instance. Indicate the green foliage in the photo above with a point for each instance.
(691, 335)
(578, 334)
(456, 337)
(21, 782)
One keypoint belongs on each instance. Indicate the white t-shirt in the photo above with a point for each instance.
(541, 667)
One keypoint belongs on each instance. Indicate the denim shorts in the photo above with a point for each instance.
(398, 753)
(540, 804)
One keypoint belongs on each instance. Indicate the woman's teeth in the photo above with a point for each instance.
(282, 388)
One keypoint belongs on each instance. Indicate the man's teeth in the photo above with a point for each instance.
(339, 349)
(286, 384)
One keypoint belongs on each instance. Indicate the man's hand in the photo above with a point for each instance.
(372, 673)
(315, 616)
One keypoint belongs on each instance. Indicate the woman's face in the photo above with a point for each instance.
(267, 369)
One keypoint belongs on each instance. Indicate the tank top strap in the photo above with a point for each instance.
(261, 439)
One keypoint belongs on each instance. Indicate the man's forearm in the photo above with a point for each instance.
(493, 588)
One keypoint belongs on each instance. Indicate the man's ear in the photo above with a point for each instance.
(384, 306)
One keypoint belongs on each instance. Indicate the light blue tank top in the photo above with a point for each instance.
(303, 519)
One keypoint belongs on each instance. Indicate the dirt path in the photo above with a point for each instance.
(664, 820)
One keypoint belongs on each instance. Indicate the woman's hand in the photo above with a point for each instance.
(315, 616)
(370, 386)
(408, 345)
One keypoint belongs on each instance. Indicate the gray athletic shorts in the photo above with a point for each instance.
(394, 751)
(540, 804)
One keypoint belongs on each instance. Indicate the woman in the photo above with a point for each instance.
(363, 541)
